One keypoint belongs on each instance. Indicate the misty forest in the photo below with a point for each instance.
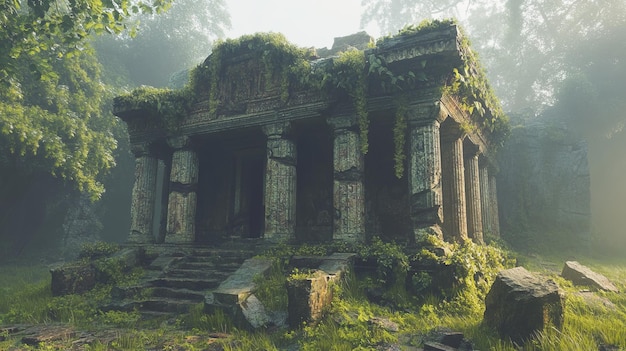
(446, 175)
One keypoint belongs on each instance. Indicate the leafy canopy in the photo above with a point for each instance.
(53, 114)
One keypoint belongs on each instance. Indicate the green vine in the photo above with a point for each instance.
(475, 96)
(349, 74)
(399, 136)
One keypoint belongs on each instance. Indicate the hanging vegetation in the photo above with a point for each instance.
(287, 68)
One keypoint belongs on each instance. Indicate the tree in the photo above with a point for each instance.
(165, 43)
(47, 30)
(57, 135)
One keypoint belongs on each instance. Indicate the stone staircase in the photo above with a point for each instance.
(177, 279)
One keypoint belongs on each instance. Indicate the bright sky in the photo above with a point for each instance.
(304, 23)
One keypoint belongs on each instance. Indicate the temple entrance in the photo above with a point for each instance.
(247, 212)
(314, 200)
(387, 201)
(230, 189)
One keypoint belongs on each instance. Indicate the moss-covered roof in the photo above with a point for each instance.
(431, 55)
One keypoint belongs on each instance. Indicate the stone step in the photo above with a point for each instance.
(173, 293)
(197, 274)
(182, 283)
(225, 266)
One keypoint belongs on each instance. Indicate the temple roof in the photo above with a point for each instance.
(260, 79)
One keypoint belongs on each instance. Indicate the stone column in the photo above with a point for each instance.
(424, 178)
(495, 217)
(280, 183)
(455, 220)
(348, 190)
(143, 196)
(485, 196)
(472, 189)
(181, 207)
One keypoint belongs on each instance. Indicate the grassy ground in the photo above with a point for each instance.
(25, 298)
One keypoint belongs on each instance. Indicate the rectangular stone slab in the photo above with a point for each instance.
(236, 288)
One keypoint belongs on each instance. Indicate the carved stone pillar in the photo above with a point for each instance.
(424, 178)
(280, 183)
(143, 196)
(495, 217)
(472, 191)
(181, 207)
(455, 220)
(485, 196)
(348, 190)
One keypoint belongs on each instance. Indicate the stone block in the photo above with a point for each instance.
(308, 298)
(520, 304)
(235, 296)
(75, 278)
(582, 275)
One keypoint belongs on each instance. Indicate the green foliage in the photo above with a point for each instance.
(168, 107)
(198, 319)
(280, 61)
(399, 137)
(45, 31)
(271, 288)
(424, 27)
(99, 249)
(58, 123)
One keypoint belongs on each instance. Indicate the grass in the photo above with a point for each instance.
(25, 298)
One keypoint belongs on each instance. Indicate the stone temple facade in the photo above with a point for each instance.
(262, 165)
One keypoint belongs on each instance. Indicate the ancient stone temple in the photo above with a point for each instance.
(272, 141)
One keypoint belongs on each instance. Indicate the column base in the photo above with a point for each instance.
(136, 237)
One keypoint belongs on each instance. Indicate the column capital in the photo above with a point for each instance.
(277, 130)
(471, 150)
(179, 142)
(425, 114)
(342, 122)
(141, 149)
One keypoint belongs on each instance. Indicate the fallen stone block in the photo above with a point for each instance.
(235, 296)
(73, 278)
(520, 304)
(308, 298)
(582, 275)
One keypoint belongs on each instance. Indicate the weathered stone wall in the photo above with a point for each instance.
(544, 183)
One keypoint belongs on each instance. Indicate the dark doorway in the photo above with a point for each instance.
(230, 187)
(248, 214)
(387, 205)
(314, 199)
